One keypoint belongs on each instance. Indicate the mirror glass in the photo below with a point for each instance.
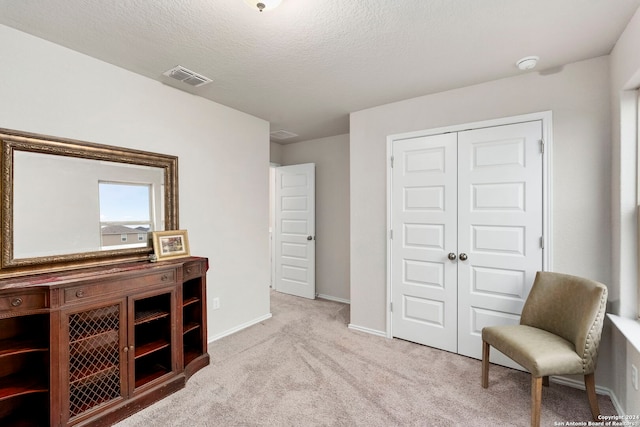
(69, 204)
(63, 205)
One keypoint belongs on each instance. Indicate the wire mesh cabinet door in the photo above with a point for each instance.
(96, 375)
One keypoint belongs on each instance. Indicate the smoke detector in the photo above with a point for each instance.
(187, 76)
(263, 4)
(527, 63)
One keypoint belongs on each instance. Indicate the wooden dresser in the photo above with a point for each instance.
(94, 345)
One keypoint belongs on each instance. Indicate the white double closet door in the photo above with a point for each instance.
(467, 212)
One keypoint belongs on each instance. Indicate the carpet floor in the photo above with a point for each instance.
(304, 367)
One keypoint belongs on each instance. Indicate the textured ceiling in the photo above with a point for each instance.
(307, 64)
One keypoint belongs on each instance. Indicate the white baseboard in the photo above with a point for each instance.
(599, 390)
(336, 299)
(367, 330)
(239, 328)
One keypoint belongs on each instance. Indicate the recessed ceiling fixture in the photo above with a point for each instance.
(187, 76)
(282, 134)
(263, 4)
(527, 63)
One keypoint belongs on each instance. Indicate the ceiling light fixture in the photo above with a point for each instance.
(263, 4)
(527, 63)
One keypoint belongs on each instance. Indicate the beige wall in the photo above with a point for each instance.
(331, 156)
(275, 153)
(223, 156)
(578, 97)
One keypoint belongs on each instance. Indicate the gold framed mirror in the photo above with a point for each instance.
(70, 204)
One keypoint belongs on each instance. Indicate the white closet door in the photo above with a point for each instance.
(499, 227)
(474, 196)
(424, 215)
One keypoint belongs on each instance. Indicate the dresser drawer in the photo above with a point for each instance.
(23, 301)
(191, 270)
(129, 284)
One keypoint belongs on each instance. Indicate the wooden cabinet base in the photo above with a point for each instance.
(195, 365)
(130, 406)
(93, 346)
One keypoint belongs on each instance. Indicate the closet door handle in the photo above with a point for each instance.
(452, 256)
(463, 256)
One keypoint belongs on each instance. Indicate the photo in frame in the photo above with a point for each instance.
(170, 244)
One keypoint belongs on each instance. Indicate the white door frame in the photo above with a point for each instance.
(272, 215)
(547, 169)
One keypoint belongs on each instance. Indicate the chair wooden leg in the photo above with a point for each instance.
(590, 385)
(485, 364)
(545, 381)
(536, 399)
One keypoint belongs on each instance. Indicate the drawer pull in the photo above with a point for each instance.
(189, 270)
(164, 277)
(16, 302)
(80, 293)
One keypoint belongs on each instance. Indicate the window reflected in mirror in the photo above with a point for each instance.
(126, 214)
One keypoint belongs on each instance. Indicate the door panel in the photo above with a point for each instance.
(499, 227)
(424, 223)
(295, 224)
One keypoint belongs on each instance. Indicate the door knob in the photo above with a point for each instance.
(451, 256)
(463, 256)
(309, 237)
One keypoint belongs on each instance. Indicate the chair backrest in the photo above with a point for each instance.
(571, 307)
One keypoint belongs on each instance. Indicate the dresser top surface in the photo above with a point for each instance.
(62, 278)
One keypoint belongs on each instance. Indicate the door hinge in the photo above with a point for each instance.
(541, 242)
(542, 146)
(391, 306)
(391, 161)
(391, 234)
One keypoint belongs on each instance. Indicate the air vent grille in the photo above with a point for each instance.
(282, 134)
(187, 76)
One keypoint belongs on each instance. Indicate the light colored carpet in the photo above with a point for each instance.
(304, 367)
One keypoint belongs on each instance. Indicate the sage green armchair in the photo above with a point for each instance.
(559, 334)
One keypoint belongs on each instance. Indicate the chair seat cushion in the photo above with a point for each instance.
(538, 351)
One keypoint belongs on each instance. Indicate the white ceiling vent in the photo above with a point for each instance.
(187, 76)
(282, 134)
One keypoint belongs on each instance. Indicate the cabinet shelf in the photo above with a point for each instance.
(190, 327)
(11, 347)
(151, 347)
(190, 301)
(150, 315)
(104, 369)
(190, 354)
(22, 422)
(14, 385)
(79, 335)
(150, 373)
(102, 337)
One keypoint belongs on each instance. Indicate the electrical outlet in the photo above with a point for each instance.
(634, 376)
(216, 303)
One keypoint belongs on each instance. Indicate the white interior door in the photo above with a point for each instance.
(295, 230)
(467, 229)
(499, 228)
(424, 215)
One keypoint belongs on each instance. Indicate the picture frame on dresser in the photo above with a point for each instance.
(170, 244)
